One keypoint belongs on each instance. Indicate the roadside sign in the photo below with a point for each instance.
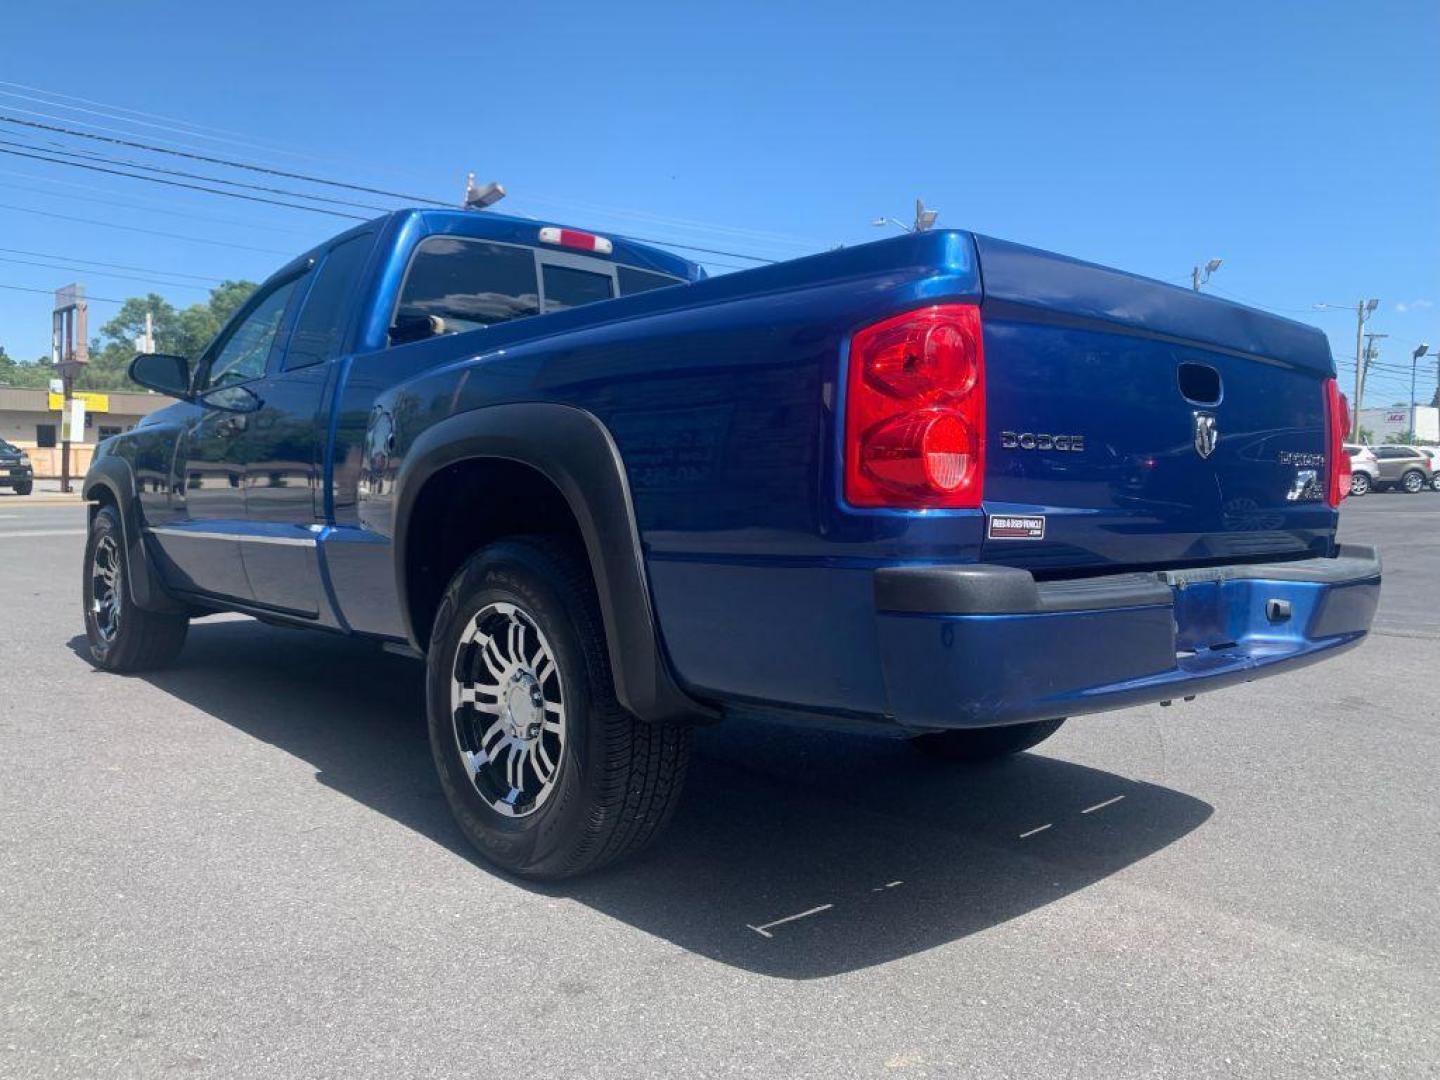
(93, 402)
(72, 422)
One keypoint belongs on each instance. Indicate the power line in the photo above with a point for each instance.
(294, 206)
(53, 146)
(147, 206)
(51, 292)
(229, 163)
(106, 273)
(761, 236)
(148, 232)
(180, 184)
(110, 112)
(113, 266)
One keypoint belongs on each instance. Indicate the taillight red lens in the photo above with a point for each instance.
(915, 411)
(1337, 427)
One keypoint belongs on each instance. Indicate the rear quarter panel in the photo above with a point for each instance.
(721, 397)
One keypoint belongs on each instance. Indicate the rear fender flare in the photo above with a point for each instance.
(574, 450)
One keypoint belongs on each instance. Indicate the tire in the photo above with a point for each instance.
(26, 488)
(1359, 483)
(1413, 482)
(122, 637)
(546, 774)
(1435, 482)
(986, 744)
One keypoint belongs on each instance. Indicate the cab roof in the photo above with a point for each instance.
(518, 230)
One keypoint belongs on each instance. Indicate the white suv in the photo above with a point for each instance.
(1364, 469)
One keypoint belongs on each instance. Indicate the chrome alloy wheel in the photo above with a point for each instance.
(105, 584)
(509, 710)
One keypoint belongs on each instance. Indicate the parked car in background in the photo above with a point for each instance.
(1411, 469)
(15, 469)
(1364, 469)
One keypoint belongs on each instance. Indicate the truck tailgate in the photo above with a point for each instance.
(1139, 424)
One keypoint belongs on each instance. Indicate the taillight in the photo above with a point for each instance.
(1337, 427)
(915, 411)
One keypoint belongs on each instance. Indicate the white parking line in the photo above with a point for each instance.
(764, 931)
(22, 534)
(1102, 805)
(1032, 832)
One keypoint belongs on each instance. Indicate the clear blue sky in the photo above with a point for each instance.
(1300, 142)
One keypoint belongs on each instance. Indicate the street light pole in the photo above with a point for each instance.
(1414, 363)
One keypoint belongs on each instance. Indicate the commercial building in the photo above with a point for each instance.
(31, 420)
(1383, 423)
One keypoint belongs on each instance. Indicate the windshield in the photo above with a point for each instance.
(8, 447)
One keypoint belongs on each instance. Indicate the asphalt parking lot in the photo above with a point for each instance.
(243, 866)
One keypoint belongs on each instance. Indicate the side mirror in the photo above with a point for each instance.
(163, 372)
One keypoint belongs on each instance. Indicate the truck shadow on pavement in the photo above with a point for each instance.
(795, 854)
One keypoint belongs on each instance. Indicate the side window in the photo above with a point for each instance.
(246, 350)
(467, 284)
(320, 327)
(636, 281)
(566, 287)
(1387, 452)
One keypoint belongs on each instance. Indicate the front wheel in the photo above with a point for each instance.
(1413, 482)
(1360, 483)
(986, 744)
(25, 488)
(546, 774)
(122, 636)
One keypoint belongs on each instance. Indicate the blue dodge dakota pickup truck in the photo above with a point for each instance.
(940, 486)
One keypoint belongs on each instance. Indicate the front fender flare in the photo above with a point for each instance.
(574, 450)
(114, 476)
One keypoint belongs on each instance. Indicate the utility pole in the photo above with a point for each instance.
(1370, 354)
(69, 352)
(1363, 310)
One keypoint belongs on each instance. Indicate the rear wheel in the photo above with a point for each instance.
(985, 744)
(1359, 483)
(545, 772)
(1413, 482)
(122, 636)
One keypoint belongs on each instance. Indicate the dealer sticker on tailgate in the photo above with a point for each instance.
(1017, 527)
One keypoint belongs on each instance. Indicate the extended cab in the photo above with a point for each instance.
(941, 484)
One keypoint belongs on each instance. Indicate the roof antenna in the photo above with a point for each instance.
(482, 197)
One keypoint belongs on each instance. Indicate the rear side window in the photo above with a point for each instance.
(469, 283)
(321, 325)
(566, 287)
(637, 281)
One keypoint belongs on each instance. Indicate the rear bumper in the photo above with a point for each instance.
(982, 645)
